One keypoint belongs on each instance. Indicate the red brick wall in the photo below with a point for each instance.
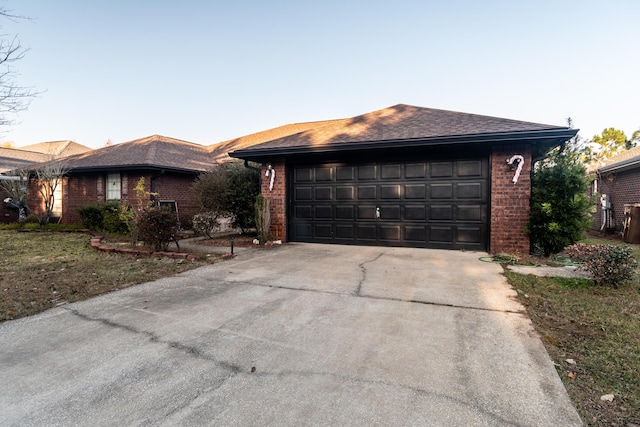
(88, 189)
(510, 203)
(622, 188)
(175, 187)
(277, 200)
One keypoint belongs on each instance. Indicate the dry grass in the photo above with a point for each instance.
(41, 270)
(599, 329)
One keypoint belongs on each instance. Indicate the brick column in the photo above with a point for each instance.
(277, 199)
(510, 203)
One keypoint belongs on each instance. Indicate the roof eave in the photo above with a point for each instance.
(621, 166)
(551, 137)
(120, 168)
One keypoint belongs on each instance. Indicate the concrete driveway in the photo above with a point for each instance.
(296, 335)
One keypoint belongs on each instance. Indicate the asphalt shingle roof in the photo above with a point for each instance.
(219, 152)
(624, 159)
(12, 158)
(58, 148)
(402, 122)
(154, 151)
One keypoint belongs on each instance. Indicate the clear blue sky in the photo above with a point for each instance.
(207, 71)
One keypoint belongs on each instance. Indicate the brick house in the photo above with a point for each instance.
(19, 158)
(406, 176)
(167, 165)
(617, 178)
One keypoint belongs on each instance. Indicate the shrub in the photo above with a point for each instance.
(111, 217)
(229, 189)
(560, 209)
(204, 223)
(609, 265)
(156, 227)
(115, 218)
(91, 216)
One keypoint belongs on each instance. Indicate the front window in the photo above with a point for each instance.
(113, 186)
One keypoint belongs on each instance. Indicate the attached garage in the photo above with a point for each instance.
(435, 204)
(406, 176)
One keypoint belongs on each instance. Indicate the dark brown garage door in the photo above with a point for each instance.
(432, 204)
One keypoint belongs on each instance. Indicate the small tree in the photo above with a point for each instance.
(229, 189)
(560, 207)
(47, 178)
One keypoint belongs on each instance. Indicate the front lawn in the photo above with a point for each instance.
(593, 336)
(41, 270)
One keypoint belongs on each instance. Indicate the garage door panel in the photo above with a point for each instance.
(390, 212)
(366, 232)
(441, 213)
(304, 212)
(469, 190)
(367, 192)
(415, 191)
(415, 213)
(303, 230)
(415, 234)
(303, 175)
(431, 203)
(345, 173)
(442, 234)
(367, 173)
(441, 169)
(345, 212)
(345, 193)
(390, 192)
(469, 235)
(470, 168)
(303, 194)
(391, 171)
(324, 174)
(441, 191)
(390, 232)
(345, 231)
(323, 212)
(470, 213)
(323, 193)
(415, 170)
(323, 231)
(366, 212)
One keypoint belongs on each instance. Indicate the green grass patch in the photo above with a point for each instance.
(599, 329)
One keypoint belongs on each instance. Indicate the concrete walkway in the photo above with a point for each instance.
(295, 335)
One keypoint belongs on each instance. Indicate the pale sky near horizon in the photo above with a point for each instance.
(208, 71)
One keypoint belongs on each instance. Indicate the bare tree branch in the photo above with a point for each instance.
(13, 97)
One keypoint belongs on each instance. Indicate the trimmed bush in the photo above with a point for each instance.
(91, 216)
(157, 227)
(609, 265)
(111, 217)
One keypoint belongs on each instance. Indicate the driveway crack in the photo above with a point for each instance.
(190, 351)
(364, 273)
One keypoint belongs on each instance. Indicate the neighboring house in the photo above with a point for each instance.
(617, 181)
(58, 149)
(406, 176)
(168, 166)
(20, 158)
